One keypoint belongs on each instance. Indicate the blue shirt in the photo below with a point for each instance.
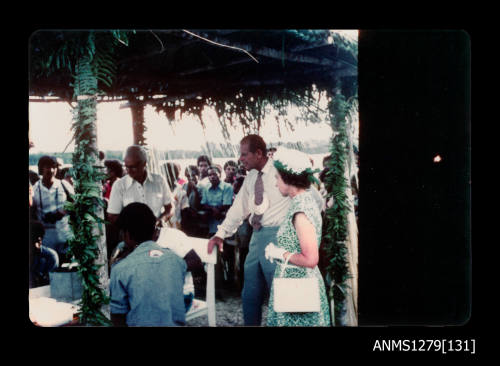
(147, 285)
(218, 196)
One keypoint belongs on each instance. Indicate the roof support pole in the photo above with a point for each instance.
(88, 244)
(337, 241)
(138, 123)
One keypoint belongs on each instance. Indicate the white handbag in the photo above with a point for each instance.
(296, 295)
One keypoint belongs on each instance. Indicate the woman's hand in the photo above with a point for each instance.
(273, 252)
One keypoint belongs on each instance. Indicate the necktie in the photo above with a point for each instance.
(259, 197)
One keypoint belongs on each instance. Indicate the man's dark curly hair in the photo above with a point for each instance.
(203, 158)
(138, 219)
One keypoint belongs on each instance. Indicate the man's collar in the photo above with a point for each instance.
(129, 180)
(218, 185)
(268, 166)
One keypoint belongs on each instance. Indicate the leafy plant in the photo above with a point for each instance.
(89, 57)
(335, 224)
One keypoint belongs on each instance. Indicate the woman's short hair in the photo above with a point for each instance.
(115, 166)
(46, 161)
(138, 219)
(296, 180)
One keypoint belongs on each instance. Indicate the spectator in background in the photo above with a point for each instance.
(238, 182)
(49, 198)
(180, 180)
(179, 195)
(65, 174)
(203, 163)
(230, 168)
(241, 171)
(101, 156)
(42, 259)
(31, 144)
(34, 177)
(189, 216)
(216, 200)
(140, 185)
(114, 172)
(270, 152)
(146, 284)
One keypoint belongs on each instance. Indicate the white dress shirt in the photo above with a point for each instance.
(49, 199)
(242, 206)
(154, 192)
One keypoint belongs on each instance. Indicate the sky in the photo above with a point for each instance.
(50, 129)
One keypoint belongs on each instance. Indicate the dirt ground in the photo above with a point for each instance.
(228, 311)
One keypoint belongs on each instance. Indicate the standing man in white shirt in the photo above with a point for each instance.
(139, 185)
(260, 199)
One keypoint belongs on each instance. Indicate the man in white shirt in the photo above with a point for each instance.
(49, 198)
(266, 215)
(139, 185)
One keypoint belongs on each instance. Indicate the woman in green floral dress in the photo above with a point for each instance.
(299, 237)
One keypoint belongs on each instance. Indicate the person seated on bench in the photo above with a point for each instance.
(146, 285)
(42, 259)
(178, 242)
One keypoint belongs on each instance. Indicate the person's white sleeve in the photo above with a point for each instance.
(115, 204)
(61, 198)
(167, 194)
(238, 212)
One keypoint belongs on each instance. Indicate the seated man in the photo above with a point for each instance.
(178, 242)
(146, 285)
(42, 259)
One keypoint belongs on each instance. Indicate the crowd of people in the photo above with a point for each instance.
(268, 205)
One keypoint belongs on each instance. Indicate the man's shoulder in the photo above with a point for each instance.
(226, 186)
(121, 182)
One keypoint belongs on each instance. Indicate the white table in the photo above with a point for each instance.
(45, 311)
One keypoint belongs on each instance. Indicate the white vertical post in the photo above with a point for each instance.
(211, 294)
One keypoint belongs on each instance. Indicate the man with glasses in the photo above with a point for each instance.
(139, 185)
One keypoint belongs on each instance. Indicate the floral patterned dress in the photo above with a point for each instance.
(288, 240)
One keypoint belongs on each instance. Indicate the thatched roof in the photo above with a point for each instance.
(187, 69)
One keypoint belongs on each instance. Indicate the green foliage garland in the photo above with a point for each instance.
(83, 246)
(89, 58)
(335, 224)
(98, 65)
